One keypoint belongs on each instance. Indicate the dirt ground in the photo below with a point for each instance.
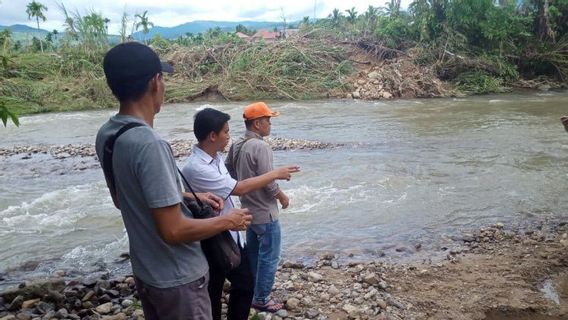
(498, 275)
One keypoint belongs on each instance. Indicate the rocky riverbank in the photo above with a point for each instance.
(492, 273)
(181, 148)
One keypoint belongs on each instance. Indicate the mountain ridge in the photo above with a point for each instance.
(195, 27)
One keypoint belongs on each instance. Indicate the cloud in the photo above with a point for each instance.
(169, 13)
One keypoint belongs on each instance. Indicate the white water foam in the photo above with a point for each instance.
(306, 199)
(82, 257)
(55, 211)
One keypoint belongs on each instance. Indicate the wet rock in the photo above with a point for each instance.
(118, 316)
(282, 313)
(62, 313)
(126, 303)
(468, 238)
(138, 313)
(45, 307)
(181, 148)
(28, 304)
(293, 265)
(54, 296)
(88, 296)
(16, 304)
(35, 289)
(24, 315)
(544, 87)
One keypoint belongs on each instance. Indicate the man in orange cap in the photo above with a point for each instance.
(248, 157)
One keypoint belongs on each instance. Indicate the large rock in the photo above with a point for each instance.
(104, 308)
(292, 304)
(315, 277)
(35, 289)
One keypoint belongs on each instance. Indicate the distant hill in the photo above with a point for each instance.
(202, 26)
(194, 27)
(23, 28)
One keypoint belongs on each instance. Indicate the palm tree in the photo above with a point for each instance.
(335, 17)
(305, 21)
(69, 24)
(35, 10)
(5, 36)
(351, 15)
(392, 8)
(371, 18)
(145, 23)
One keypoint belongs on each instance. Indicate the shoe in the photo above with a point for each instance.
(271, 306)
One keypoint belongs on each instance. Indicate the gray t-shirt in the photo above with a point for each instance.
(146, 177)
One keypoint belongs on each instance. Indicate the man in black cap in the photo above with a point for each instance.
(170, 269)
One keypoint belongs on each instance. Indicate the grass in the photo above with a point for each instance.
(73, 79)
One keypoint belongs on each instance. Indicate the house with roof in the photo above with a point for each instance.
(268, 36)
(243, 36)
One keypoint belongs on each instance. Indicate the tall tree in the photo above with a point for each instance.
(123, 26)
(371, 19)
(144, 23)
(544, 24)
(5, 37)
(391, 8)
(35, 10)
(305, 21)
(335, 17)
(351, 15)
(70, 30)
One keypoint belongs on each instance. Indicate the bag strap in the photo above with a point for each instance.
(108, 151)
(190, 189)
(237, 154)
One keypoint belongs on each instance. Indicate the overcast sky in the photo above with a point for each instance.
(169, 13)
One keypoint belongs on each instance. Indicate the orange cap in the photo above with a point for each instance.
(258, 110)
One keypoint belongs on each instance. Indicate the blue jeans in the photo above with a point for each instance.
(263, 242)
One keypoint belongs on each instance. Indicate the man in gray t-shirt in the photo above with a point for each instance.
(163, 237)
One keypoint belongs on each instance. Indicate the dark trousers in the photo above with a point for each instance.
(188, 301)
(242, 290)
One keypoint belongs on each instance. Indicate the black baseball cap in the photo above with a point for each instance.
(133, 62)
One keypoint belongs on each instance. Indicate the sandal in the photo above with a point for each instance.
(271, 306)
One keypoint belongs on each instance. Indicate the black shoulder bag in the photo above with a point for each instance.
(107, 156)
(221, 251)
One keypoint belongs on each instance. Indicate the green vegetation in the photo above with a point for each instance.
(479, 46)
(35, 10)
